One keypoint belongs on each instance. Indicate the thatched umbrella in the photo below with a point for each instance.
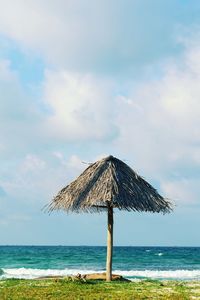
(107, 184)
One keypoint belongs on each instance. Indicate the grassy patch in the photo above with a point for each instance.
(13, 289)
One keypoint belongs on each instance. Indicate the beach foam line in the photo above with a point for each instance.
(158, 274)
(28, 273)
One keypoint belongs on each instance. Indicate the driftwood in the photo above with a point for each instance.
(102, 276)
(85, 277)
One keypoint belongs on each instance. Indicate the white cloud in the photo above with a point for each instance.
(32, 163)
(159, 123)
(19, 116)
(182, 191)
(155, 126)
(36, 179)
(88, 34)
(74, 164)
(81, 106)
(60, 31)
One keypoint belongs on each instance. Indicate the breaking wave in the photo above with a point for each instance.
(27, 273)
(159, 254)
(158, 274)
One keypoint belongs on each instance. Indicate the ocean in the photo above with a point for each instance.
(180, 263)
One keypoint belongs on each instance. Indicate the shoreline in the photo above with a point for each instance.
(133, 275)
(97, 277)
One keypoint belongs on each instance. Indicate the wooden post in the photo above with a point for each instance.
(109, 244)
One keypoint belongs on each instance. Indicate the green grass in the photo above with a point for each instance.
(12, 289)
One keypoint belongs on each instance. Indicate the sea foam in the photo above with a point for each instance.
(28, 273)
(158, 274)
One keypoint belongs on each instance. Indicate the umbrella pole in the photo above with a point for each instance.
(109, 244)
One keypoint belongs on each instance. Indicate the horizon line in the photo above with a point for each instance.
(60, 245)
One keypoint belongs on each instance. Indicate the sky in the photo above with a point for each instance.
(83, 79)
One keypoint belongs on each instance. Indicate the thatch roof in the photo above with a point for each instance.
(109, 182)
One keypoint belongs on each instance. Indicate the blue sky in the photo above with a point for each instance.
(80, 80)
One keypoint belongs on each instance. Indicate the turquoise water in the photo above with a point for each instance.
(131, 262)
